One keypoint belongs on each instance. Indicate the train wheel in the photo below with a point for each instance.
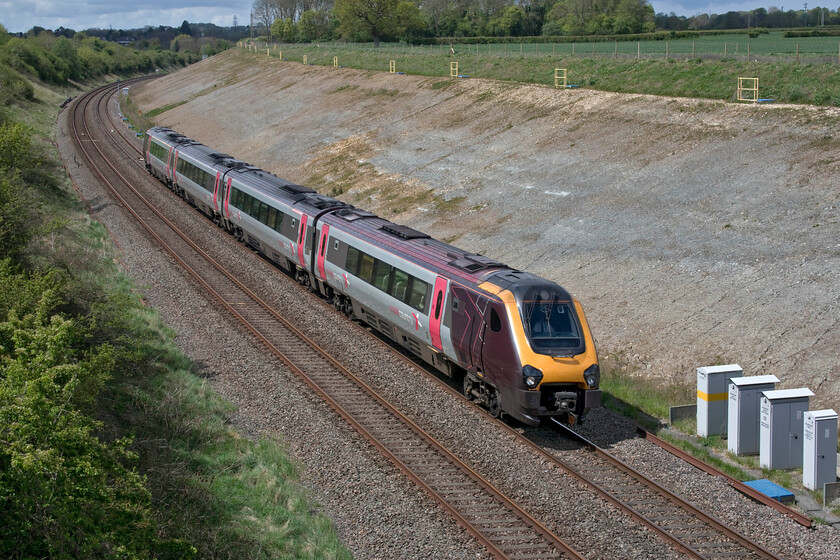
(468, 388)
(494, 406)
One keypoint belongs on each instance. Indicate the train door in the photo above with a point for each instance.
(218, 197)
(500, 361)
(322, 252)
(226, 199)
(467, 324)
(169, 162)
(174, 166)
(302, 239)
(436, 312)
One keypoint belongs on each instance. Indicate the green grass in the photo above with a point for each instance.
(226, 495)
(704, 453)
(684, 76)
(646, 401)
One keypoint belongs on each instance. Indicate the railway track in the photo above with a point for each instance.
(504, 528)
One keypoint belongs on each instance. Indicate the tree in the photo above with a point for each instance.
(185, 28)
(410, 20)
(183, 43)
(375, 17)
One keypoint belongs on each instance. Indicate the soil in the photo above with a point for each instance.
(694, 232)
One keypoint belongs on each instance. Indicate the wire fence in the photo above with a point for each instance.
(803, 51)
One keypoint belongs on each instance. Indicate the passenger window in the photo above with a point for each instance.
(417, 299)
(495, 321)
(399, 288)
(382, 275)
(352, 263)
(263, 212)
(272, 217)
(366, 268)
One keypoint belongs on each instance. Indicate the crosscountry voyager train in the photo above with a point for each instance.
(520, 343)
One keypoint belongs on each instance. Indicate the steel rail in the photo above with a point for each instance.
(494, 544)
(675, 541)
(706, 518)
(799, 517)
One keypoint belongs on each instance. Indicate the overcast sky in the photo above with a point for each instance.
(23, 15)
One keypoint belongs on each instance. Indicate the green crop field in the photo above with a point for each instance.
(781, 79)
(765, 47)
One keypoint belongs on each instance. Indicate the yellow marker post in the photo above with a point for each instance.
(304, 60)
(560, 77)
(393, 67)
(335, 61)
(453, 69)
(748, 89)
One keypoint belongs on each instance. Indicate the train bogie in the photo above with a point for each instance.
(521, 343)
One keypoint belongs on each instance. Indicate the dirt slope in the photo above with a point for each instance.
(694, 232)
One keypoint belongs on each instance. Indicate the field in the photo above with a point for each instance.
(737, 46)
(692, 68)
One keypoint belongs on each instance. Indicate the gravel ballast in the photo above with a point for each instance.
(378, 513)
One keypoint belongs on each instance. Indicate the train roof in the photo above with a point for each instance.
(417, 246)
(408, 243)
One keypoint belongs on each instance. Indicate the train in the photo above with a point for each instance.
(518, 344)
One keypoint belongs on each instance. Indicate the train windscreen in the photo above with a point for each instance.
(550, 322)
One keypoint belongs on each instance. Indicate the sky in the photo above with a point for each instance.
(23, 15)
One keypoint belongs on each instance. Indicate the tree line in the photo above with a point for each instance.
(429, 20)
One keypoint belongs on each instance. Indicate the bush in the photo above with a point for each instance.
(14, 87)
(64, 492)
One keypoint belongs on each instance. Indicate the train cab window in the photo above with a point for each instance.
(382, 275)
(550, 323)
(438, 304)
(495, 321)
(399, 287)
(366, 268)
(417, 295)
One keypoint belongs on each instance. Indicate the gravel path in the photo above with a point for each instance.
(379, 514)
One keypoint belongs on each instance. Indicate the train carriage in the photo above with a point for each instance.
(520, 343)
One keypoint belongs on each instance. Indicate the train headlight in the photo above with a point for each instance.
(592, 376)
(532, 376)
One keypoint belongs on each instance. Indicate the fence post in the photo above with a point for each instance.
(638, 50)
(666, 50)
(724, 49)
(615, 52)
(797, 53)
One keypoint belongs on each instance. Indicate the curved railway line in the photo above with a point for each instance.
(503, 527)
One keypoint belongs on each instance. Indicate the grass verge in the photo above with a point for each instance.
(224, 495)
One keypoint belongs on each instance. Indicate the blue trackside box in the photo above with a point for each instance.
(771, 489)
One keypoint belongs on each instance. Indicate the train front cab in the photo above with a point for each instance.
(542, 358)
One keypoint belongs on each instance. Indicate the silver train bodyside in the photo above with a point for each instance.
(461, 313)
